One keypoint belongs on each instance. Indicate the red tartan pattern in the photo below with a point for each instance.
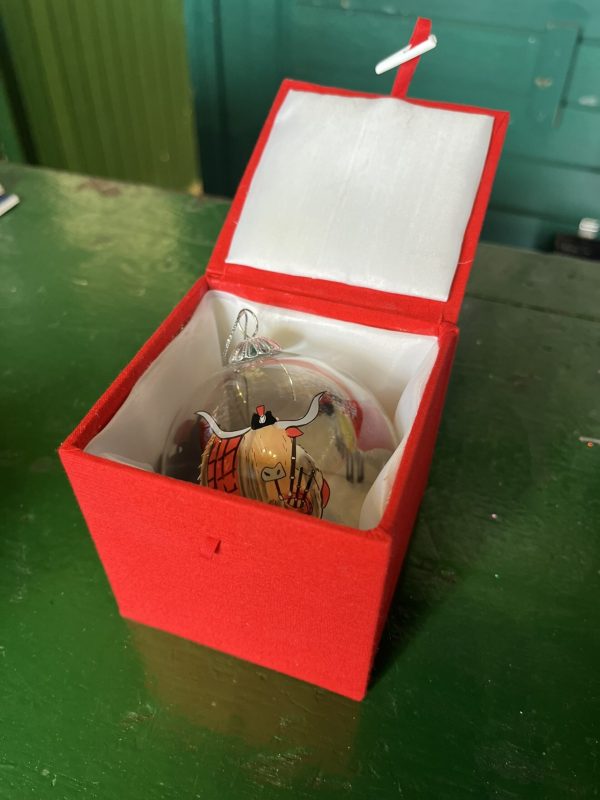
(221, 472)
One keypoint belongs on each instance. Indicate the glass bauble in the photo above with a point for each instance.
(283, 429)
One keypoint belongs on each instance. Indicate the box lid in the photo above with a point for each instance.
(379, 195)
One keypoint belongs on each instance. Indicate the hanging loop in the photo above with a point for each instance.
(252, 345)
(246, 314)
(420, 42)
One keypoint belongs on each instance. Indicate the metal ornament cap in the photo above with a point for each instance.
(255, 347)
(252, 345)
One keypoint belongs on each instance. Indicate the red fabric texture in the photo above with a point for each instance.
(293, 593)
(284, 590)
(406, 71)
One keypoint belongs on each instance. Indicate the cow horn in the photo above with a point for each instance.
(310, 415)
(216, 429)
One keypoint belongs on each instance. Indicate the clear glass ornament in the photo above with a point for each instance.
(281, 428)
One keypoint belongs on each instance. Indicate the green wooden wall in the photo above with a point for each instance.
(104, 86)
(536, 58)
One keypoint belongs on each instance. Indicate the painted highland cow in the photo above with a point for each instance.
(265, 462)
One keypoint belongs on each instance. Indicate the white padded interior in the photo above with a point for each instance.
(368, 192)
(393, 364)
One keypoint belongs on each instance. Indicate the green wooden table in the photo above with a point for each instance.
(487, 681)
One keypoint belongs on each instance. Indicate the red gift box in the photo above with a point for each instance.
(304, 596)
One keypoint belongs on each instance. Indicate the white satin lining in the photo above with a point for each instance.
(366, 192)
(394, 365)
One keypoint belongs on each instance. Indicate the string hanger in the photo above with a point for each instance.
(252, 345)
(245, 315)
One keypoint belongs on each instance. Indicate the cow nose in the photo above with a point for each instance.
(275, 473)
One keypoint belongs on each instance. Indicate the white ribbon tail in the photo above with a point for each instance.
(406, 54)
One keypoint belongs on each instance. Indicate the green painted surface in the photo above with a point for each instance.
(10, 144)
(486, 684)
(540, 60)
(105, 86)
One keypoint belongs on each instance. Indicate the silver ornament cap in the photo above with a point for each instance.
(252, 345)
